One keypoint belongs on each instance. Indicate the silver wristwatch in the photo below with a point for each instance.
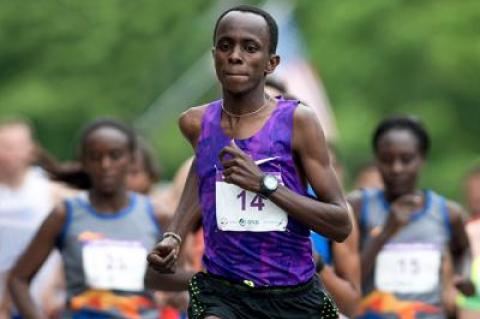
(268, 185)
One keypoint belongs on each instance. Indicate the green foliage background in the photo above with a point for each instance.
(422, 57)
(63, 63)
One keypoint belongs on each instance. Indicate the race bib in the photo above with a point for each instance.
(408, 268)
(114, 265)
(241, 210)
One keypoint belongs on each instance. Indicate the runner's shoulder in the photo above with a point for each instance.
(304, 114)
(60, 210)
(190, 121)
(55, 222)
(307, 125)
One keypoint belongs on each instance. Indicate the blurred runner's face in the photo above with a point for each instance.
(472, 193)
(16, 149)
(106, 159)
(241, 51)
(399, 161)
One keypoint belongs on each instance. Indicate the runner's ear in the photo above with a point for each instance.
(272, 63)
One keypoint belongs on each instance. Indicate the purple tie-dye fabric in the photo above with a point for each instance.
(265, 258)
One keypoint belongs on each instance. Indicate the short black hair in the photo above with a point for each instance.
(403, 122)
(271, 23)
(109, 123)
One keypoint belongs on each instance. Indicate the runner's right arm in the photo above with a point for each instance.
(167, 282)
(32, 260)
(188, 213)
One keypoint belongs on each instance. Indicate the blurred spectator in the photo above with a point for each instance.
(144, 171)
(26, 198)
(171, 195)
(368, 176)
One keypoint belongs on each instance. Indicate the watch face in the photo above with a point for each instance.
(271, 182)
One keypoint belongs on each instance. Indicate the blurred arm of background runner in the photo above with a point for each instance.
(453, 284)
(342, 280)
(449, 293)
(460, 250)
(31, 261)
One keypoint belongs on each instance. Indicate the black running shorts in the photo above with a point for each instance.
(211, 295)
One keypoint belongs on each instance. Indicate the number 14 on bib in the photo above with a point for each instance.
(241, 210)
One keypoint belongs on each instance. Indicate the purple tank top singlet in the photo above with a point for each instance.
(275, 258)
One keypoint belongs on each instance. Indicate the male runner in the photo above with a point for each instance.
(254, 157)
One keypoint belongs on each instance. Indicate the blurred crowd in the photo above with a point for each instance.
(114, 197)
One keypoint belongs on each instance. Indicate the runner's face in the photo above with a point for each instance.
(106, 158)
(241, 51)
(399, 161)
